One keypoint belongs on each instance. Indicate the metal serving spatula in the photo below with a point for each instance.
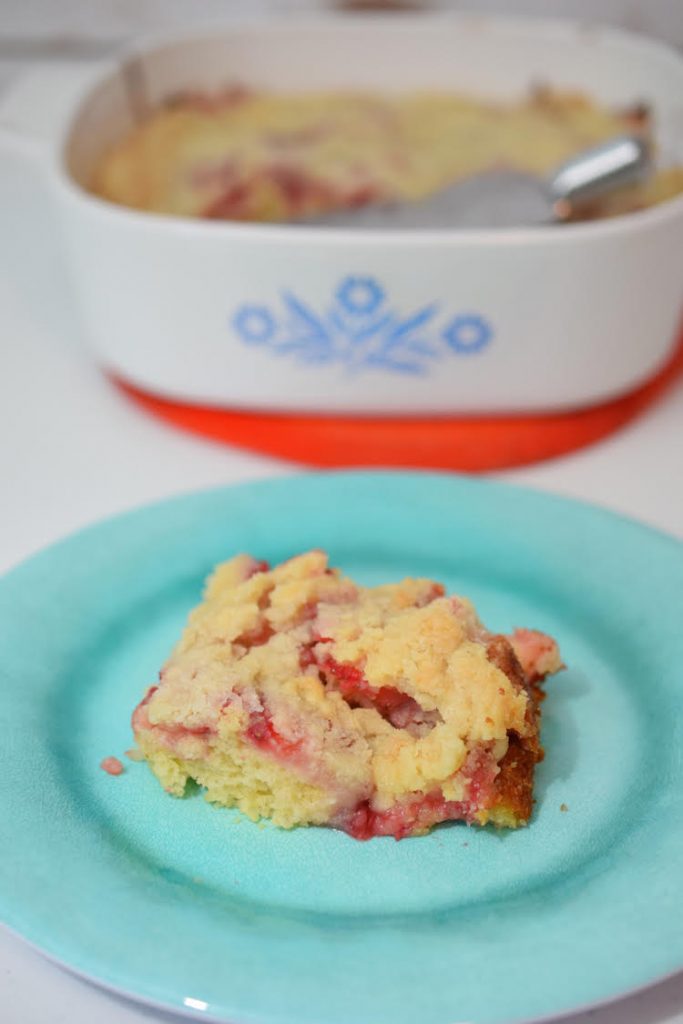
(507, 198)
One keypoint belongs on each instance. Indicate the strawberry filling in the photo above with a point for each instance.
(436, 590)
(112, 766)
(257, 636)
(419, 813)
(397, 707)
(307, 658)
(297, 188)
(257, 566)
(169, 735)
(297, 191)
(403, 818)
(233, 204)
(537, 653)
(140, 719)
(262, 734)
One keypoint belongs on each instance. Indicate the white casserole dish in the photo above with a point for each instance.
(528, 320)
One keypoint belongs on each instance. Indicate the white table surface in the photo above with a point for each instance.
(73, 450)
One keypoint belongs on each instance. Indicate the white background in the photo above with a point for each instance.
(72, 450)
(52, 18)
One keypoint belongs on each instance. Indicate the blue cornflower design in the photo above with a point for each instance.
(361, 331)
(467, 334)
(360, 296)
(254, 324)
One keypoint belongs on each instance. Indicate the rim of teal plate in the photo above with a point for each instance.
(280, 950)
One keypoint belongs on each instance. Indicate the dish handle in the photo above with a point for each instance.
(36, 104)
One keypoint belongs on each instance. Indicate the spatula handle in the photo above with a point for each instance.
(621, 161)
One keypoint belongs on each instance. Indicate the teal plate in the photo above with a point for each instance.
(198, 909)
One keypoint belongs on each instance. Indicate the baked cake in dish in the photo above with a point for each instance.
(247, 155)
(298, 696)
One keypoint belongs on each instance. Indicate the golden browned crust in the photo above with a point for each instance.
(513, 788)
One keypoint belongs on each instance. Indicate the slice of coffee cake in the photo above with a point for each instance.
(298, 696)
